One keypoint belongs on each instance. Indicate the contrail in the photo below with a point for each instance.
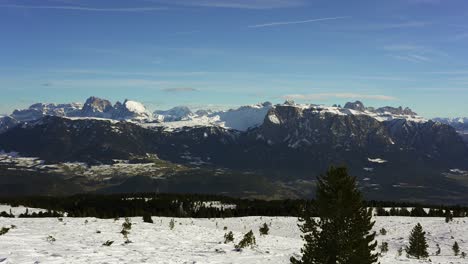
(296, 22)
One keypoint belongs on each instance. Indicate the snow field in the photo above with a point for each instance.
(199, 240)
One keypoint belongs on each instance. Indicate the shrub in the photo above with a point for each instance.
(4, 230)
(384, 247)
(228, 237)
(383, 232)
(171, 224)
(455, 248)
(248, 240)
(50, 239)
(108, 243)
(126, 227)
(264, 229)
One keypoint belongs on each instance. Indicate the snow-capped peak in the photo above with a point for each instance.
(135, 107)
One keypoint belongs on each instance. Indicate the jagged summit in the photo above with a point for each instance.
(357, 105)
(177, 113)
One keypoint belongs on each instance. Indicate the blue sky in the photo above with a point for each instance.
(224, 53)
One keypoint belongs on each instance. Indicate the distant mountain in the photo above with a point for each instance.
(39, 110)
(393, 151)
(459, 123)
(177, 113)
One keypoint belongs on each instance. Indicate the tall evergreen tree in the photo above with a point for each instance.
(342, 235)
(417, 243)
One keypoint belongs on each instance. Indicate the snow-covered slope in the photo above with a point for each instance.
(131, 110)
(77, 240)
(241, 119)
(177, 113)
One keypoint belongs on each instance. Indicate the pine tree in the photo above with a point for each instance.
(342, 235)
(455, 248)
(417, 243)
(248, 240)
(448, 216)
(147, 218)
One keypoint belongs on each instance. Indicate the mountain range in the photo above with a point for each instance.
(271, 150)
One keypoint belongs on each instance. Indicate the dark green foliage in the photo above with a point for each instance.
(417, 243)
(380, 211)
(448, 216)
(343, 232)
(108, 243)
(147, 218)
(184, 205)
(247, 240)
(264, 229)
(228, 237)
(383, 247)
(438, 250)
(7, 215)
(418, 211)
(4, 230)
(383, 232)
(456, 248)
(463, 255)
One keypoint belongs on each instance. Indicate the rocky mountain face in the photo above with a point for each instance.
(391, 150)
(359, 106)
(6, 123)
(459, 123)
(291, 137)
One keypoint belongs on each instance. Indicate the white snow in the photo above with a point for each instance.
(16, 211)
(135, 107)
(377, 160)
(274, 119)
(200, 240)
(241, 119)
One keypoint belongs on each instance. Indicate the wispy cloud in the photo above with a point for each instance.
(396, 25)
(411, 58)
(413, 53)
(239, 4)
(321, 96)
(179, 90)
(127, 73)
(85, 8)
(273, 24)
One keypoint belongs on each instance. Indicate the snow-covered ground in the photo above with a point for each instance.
(77, 240)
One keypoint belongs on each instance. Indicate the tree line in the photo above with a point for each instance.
(200, 206)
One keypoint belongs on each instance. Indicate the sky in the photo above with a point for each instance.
(226, 53)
